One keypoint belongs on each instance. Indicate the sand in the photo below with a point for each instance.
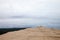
(39, 33)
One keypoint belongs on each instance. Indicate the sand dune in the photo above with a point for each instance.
(39, 33)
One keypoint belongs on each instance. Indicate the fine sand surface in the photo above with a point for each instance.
(39, 33)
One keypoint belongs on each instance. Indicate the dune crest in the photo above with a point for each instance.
(39, 33)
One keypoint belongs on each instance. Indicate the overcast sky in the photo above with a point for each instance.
(31, 8)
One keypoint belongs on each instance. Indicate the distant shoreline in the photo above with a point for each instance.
(5, 30)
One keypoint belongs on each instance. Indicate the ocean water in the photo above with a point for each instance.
(30, 22)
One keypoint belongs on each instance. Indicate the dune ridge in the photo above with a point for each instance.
(39, 33)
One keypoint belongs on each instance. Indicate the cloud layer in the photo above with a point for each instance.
(27, 10)
(31, 8)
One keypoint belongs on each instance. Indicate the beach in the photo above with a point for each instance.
(39, 33)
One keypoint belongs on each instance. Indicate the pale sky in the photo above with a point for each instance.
(31, 8)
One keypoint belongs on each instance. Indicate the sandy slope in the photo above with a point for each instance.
(39, 33)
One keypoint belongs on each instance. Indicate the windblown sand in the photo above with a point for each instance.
(39, 33)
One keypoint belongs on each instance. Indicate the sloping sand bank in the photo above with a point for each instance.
(39, 33)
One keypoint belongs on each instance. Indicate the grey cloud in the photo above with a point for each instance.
(29, 8)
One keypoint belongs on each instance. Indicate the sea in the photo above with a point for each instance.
(30, 22)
